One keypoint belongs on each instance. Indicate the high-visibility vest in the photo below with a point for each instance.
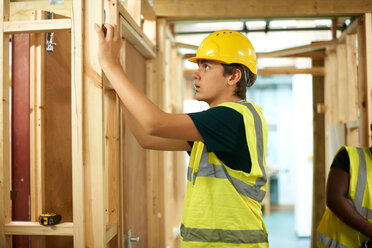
(223, 206)
(332, 232)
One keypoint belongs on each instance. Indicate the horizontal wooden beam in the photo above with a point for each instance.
(38, 26)
(196, 9)
(188, 46)
(297, 50)
(130, 31)
(21, 10)
(34, 228)
(315, 71)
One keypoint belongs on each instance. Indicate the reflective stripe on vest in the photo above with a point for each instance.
(327, 241)
(361, 186)
(222, 235)
(218, 171)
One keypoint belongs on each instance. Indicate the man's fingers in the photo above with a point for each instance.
(116, 32)
(110, 31)
(99, 31)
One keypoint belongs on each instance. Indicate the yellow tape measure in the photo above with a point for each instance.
(49, 219)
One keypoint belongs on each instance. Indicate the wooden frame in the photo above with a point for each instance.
(91, 225)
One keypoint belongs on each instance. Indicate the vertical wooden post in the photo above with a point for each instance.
(352, 138)
(365, 77)
(37, 161)
(77, 123)
(93, 138)
(368, 30)
(319, 174)
(5, 213)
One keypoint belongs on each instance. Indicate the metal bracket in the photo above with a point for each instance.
(13, 194)
(49, 36)
(56, 2)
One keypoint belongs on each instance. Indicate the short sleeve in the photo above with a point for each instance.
(219, 128)
(342, 161)
(223, 131)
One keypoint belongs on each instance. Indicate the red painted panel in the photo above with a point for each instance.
(20, 118)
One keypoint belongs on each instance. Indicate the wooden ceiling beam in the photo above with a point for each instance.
(196, 9)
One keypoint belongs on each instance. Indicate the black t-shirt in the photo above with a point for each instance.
(223, 132)
(342, 161)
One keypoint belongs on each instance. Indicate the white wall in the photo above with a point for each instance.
(303, 153)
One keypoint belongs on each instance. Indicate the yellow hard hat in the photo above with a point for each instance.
(227, 46)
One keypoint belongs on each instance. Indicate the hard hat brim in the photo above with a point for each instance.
(252, 67)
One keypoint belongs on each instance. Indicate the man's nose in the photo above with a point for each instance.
(196, 75)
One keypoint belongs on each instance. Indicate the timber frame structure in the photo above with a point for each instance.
(102, 148)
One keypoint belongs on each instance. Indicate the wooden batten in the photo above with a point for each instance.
(365, 77)
(5, 207)
(37, 26)
(77, 124)
(352, 138)
(342, 84)
(20, 10)
(368, 30)
(37, 127)
(132, 32)
(297, 50)
(256, 8)
(319, 166)
(34, 228)
(93, 132)
(315, 71)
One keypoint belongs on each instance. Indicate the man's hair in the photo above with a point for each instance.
(247, 79)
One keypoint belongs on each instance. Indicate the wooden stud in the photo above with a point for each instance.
(5, 209)
(368, 30)
(352, 138)
(93, 138)
(342, 84)
(334, 28)
(365, 77)
(37, 160)
(78, 183)
(319, 170)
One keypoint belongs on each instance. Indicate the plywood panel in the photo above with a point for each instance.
(135, 171)
(58, 165)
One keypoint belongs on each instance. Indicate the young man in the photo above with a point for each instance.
(226, 175)
(346, 222)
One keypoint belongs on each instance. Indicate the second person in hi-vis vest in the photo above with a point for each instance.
(346, 222)
(226, 177)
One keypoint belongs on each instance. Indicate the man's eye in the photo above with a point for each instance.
(206, 67)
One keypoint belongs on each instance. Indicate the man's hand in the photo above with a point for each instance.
(108, 45)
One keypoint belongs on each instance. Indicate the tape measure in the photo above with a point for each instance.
(49, 219)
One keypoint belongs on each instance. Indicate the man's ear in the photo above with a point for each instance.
(235, 77)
